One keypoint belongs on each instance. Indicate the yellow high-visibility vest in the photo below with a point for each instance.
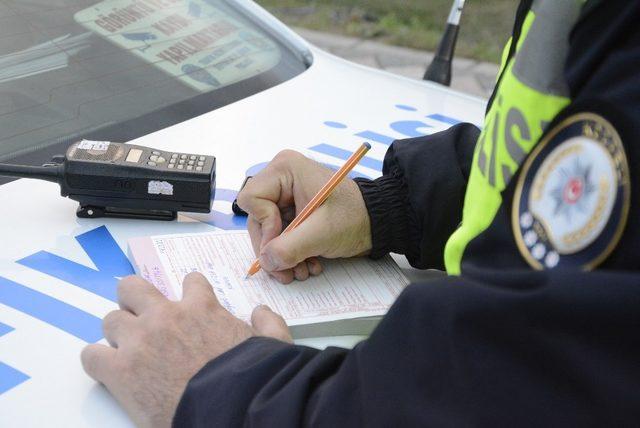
(530, 93)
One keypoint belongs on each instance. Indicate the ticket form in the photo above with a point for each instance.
(347, 288)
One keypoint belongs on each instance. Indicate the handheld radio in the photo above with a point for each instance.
(127, 181)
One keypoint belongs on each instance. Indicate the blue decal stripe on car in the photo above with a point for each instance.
(105, 252)
(444, 119)
(345, 154)
(410, 128)
(96, 282)
(51, 311)
(4, 329)
(374, 136)
(10, 377)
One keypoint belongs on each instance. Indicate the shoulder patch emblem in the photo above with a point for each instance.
(572, 198)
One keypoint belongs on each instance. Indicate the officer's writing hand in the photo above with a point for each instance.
(339, 228)
(158, 345)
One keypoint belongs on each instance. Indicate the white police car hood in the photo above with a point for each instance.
(58, 273)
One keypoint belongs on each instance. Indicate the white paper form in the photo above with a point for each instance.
(350, 288)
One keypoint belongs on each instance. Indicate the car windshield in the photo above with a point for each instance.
(118, 69)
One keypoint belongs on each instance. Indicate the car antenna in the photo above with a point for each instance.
(439, 70)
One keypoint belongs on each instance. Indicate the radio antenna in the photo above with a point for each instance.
(48, 173)
(439, 70)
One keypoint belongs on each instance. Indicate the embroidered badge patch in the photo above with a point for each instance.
(572, 198)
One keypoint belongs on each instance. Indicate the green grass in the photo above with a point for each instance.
(486, 24)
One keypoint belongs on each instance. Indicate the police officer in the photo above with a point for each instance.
(535, 219)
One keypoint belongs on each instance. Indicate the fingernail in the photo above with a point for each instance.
(264, 307)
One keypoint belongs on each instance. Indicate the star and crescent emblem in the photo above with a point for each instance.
(572, 198)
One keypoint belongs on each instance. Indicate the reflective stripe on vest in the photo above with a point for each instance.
(531, 93)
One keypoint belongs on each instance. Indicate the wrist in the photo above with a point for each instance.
(353, 236)
(364, 240)
(387, 207)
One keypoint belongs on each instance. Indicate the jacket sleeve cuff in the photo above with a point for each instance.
(387, 204)
(201, 399)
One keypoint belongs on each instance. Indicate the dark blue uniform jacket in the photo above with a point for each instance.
(502, 345)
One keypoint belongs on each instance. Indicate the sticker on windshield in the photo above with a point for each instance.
(196, 41)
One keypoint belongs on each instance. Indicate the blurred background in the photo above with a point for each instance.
(486, 24)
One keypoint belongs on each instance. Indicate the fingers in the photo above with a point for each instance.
(269, 200)
(259, 199)
(98, 362)
(301, 271)
(270, 222)
(264, 187)
(137, 295)
(284, 277)
(289, 249)
(196, 289)
(310, 267)
(315, 267)
(267, 323)
(255, 233)
(116, 325)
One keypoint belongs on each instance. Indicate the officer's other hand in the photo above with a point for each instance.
(157, 345)
(339, 228)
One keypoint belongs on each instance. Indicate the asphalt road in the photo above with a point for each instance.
(469, 76)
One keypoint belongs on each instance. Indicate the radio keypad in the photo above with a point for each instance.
(177, 161)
